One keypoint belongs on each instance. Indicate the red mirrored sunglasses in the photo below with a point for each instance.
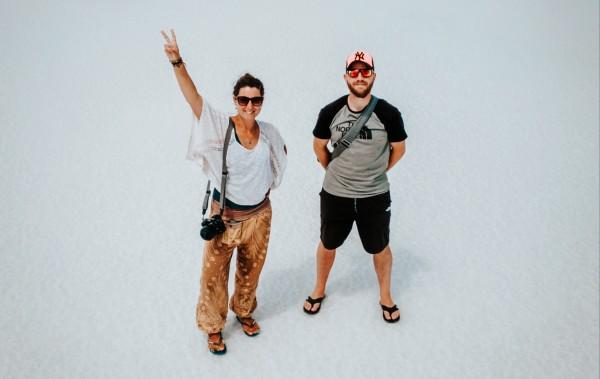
(244, 100)
(365, 72)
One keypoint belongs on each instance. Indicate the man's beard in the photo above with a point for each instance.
(362, 94)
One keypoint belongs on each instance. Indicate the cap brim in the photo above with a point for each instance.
(359, 61)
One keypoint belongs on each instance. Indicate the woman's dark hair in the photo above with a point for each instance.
(248, 80)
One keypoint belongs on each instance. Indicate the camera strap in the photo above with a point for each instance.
(344, 142)
(206, 197)
(224, 172)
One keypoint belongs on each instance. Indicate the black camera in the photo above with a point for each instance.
(211, 227)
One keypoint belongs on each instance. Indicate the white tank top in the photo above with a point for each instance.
(250, 174)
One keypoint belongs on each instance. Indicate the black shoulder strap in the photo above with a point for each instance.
(351, 135)
(224, 172)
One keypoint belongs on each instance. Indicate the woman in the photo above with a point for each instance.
(256, 160)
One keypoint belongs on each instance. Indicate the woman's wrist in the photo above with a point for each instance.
(177, 62)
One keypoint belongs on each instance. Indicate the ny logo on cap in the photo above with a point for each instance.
(359, 56)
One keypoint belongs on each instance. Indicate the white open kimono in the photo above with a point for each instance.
(206, 145)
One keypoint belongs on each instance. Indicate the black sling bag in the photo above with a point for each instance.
(343, 143)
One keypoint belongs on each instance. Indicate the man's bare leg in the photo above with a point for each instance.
(383, 267)
(325, 258)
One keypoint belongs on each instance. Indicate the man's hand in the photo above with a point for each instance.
(322, 152)
(398, 150)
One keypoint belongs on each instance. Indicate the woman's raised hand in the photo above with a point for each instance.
(171, 48)
(191, 94)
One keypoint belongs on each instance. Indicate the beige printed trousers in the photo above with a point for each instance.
(250, 238)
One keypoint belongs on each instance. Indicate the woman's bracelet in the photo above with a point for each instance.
(177, 63)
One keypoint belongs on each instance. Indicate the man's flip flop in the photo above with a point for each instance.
(312, 303)
(249, 326)
(390, 310)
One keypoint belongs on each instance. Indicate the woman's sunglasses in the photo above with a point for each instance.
(244, 100)
(365, 72)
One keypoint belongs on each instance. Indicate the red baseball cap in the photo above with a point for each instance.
(360, 56)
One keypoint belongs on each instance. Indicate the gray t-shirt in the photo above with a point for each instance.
(360, 171)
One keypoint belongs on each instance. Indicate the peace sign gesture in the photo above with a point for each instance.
(171, 48)
(183, 78)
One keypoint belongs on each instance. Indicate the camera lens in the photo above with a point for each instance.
(211, 227)
(208, 232)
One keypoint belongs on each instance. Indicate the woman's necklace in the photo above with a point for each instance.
(250, 138)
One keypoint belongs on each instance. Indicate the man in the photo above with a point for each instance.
(356, 188)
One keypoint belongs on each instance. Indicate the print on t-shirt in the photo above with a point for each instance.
(365, 133)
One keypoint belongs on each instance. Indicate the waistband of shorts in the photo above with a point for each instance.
(328, 194)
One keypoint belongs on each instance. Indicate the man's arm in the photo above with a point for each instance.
(188, 89)
(321, 151)
(397, 151)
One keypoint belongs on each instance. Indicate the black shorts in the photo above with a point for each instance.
(372, 216)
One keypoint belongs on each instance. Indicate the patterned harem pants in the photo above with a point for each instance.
(250, 238)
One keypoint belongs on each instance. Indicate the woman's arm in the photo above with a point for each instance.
(183, 78)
